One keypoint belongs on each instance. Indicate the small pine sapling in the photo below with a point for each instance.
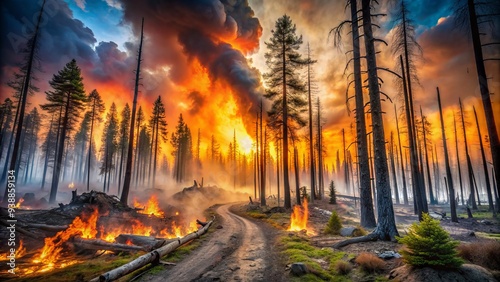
(334, 224)
(333, 193)
(428, 244)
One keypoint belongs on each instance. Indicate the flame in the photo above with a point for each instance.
(176, 231)
(71, 185)
(298, 219)
(21, 251)
(176, 213)
(50, 255)
(18, 205)
(151, 207)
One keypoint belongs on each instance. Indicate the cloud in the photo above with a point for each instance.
(81, 4)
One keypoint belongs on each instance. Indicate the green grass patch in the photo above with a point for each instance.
(321, 261)
(479, 214)
(256, 214)
(494, 236)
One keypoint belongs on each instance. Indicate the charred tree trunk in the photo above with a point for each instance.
(297, 179)
(405, 190)
(386, 227)
(312, 171)
(262, 161)
(415, 179)
(485, 168)
(485, 92)
(23, 98)
(429, 180)
(458, 161)
(393, 168)
(451, 189)
(469, 163)
(128, 169)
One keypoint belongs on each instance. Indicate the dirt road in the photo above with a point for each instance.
(240, 251)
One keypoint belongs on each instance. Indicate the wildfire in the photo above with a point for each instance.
(53, 247)
(21, 250)
(18, 205)
(151, 207)
(176, 231)
(298, 219)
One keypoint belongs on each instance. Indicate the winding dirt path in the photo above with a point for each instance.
(239, 251)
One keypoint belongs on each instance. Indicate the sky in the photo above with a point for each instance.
(206, 58)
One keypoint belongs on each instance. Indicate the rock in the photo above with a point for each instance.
(467, 272)
(347, 231)
(388, 255)
(299, 269)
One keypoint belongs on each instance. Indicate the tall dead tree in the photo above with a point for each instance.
(26, 85)
(312, 171)
(451, 189)
(458, 161)
(393, 168)
(470, 171)
(128, 167)
(485, 168)
(425, 129)
(403, 173)
(474, 20)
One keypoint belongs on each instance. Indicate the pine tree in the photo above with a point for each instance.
(158, 124)
(6, 119)
(334, 224)
(428, 244)
(81, 138)
(333, 194)
(109, 145)
(182, 150)
(285, 87)
(68, 93)
(123, 139)
(96, 109)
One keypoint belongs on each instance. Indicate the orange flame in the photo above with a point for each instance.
(21, 251)
(151, 207)
(176, 231)
(51, 252)
(18, 205)
(71, 185)
(298, 219)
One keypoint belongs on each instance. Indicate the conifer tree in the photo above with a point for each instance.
(428, 244)
(96, 109)
(123, 139)
(285, 87)
(109, 145)
(68, 93)
(333, 193)
(158, 124)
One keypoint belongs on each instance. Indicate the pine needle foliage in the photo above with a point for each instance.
(333, 194)
(334, 224)
(428, 244)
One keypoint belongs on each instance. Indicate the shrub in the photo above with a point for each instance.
(343, 267)
(359, 231)
(428, 244)
(370, 262)
(485, 254)
(333, 193)
(334, 225)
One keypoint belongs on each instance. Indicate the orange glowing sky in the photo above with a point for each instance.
(211, 104)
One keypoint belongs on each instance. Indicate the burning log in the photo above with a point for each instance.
(98, 244)
(148, 242)
(151, 257)
(46, 227)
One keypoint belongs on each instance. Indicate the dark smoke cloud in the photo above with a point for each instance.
(197, 102)
(206, 30)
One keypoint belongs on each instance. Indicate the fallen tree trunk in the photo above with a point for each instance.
(148, 242)
(151, 257)
(46, 227)
(98, 244)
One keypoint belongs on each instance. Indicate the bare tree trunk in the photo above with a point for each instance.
(485, 92)
(431, 192)
(262, 161)
(286, 180)
(458, 161)
(451, 189)
(469, 164)
(128, 169)
(405, 191)
(312, 171)
(386, 227)
(485, 168)
(393, 168)
(297, 179)
(415, 179)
